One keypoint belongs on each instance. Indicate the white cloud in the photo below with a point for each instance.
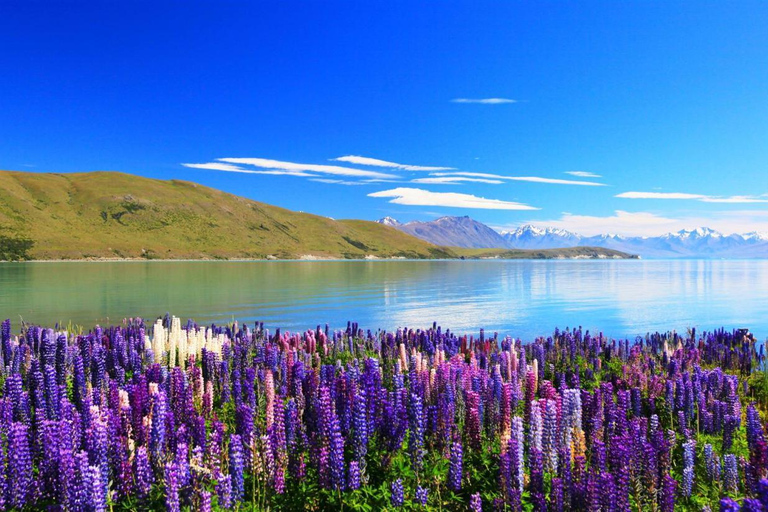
(736, 199)
(215, 166)
(419, 197)
(533, 179)
(471, 175)
(338, 182)
(292, 166)
(454, 180)
(536, 179)
(651, 224)
(484, 101)
(233, 168)
(375, 162)
(583, 174)
(697, 197)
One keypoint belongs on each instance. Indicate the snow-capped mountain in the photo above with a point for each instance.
(533, 237)
(700, 242)
(389, 221)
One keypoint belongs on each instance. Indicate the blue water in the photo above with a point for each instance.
(520, 298)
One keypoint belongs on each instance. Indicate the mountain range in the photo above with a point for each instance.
(695, 243)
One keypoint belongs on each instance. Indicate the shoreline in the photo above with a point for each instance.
(310, 259)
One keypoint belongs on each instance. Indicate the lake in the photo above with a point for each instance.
(520, 298)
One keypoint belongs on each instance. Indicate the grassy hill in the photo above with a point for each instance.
(116, 215)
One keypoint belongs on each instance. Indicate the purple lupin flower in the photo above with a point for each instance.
(204, 504)
(688, 464)
(422, 495)
(396, 496)
(95, 488)
(667, 499)
(142, 471)
(157, 433)
(751, 505)
(556, 495)
(476, 503)
(416, 433)
(236, 468)
(172, 486)
(353, 476)
(224, 491)
(455, 467)
(19, 465)
(730, 473)
(762, 492)
(729, 505)
(608, 492)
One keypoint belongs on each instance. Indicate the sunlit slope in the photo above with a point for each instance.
(117, 215)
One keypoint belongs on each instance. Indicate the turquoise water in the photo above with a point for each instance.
(520, 298)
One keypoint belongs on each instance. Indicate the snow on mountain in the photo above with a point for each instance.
(701, 242)
(389, 221)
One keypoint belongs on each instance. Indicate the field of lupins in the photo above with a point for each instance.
(239, 418)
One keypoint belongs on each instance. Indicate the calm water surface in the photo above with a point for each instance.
(520, 298)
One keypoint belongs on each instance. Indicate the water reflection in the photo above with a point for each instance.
(521, 298)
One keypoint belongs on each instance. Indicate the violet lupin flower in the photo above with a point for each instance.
(416, 431)
(422, 495)
(236, 467)
(157, 432)
(172, 485)
(353, 476)
(556, 495)
(455, 468)
(204, 504)
(19, 465)
(360, 425)
(729, 505)
(142, 472)
(762, 492)
(396, 497)
(667, 498)
(688, 464)
(751, 505)
(224, 491)
(476, 503)
(730, 473)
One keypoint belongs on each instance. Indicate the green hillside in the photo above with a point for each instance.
(116, 215)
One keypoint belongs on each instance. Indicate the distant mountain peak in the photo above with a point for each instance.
(389, 221)
(755, 235)
(701, 232)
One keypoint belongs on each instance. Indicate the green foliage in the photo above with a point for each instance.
(13, 248)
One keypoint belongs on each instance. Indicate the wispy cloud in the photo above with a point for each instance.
(696, 197)
(420, 197)
(471, 175)
(555, 181)
(532, 179)
(293, 166)
(651, 224)
(454, 180)
(484, 101)
(339, 182)
(216, 166)
(583, 174)
(375, 162)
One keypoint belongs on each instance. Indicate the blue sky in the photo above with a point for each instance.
(663, 104)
